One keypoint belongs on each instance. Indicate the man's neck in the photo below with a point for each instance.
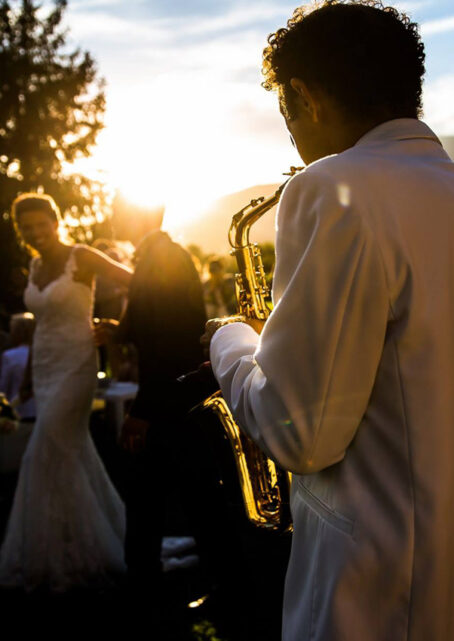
(344, 135)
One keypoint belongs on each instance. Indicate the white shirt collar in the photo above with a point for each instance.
(398, 129)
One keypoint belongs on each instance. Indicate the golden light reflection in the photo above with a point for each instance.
(184, 146)
(198, 602)
(183, 192)
(344, 194)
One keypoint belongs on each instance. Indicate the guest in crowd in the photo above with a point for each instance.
(219, 290)
(110, 301)
(110, 298)
(14, 362)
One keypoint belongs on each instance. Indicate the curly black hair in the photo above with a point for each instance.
(367, 57)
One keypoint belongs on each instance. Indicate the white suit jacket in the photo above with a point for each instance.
(351, 387)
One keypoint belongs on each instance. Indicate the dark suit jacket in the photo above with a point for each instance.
(165, 318)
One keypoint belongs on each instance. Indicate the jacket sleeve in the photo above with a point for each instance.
(302, 388)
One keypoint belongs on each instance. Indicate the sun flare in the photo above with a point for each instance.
(183, 199)
(177, 148)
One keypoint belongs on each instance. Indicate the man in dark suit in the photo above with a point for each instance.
(164, 320)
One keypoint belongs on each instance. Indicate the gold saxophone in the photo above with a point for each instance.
(264, 486)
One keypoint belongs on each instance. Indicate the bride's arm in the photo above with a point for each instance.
(93, 262)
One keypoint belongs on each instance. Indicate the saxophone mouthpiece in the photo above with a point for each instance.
(293, 170)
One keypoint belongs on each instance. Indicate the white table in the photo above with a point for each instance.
(115, 397)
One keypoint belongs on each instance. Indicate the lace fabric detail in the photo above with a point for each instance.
(68, 271)
(67, 524)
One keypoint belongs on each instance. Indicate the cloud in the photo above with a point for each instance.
(156, 8)
(127, 51)
(90, 4)
(99, 18)
(186, 87)
(437, 26)
(412, 5)
(104, 26)
(249, 16)
(439, 105)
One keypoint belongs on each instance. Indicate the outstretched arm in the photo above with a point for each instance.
(93, 262)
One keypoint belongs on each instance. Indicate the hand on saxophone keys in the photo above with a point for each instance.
(214, 324)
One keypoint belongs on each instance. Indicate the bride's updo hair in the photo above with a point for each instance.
(35, 202)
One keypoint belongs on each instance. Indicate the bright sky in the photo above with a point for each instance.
(187, 120)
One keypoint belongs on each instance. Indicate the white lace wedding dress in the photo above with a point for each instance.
(66, 527)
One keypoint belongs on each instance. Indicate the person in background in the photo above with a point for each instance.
(110, 298)
(14, 363)
(110, 302)
(164, 320)
(219, 290)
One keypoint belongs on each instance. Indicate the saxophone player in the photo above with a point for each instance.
(349, 385)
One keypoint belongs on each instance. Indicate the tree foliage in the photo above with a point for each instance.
(51, 106)
(51, 110)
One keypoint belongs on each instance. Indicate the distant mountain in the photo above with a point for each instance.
(448, 144)
(209, 231)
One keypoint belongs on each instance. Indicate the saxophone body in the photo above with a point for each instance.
(264, 486)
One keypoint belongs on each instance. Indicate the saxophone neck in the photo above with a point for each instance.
(252, 291)
(243, 220)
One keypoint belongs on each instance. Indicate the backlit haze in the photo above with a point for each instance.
(187, 120)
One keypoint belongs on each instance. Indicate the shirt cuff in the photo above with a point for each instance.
(232, 341)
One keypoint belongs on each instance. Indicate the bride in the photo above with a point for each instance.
(66, 527)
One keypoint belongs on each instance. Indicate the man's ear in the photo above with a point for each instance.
(307, 99)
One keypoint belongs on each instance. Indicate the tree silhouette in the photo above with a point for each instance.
(51, 106)
(51, 110)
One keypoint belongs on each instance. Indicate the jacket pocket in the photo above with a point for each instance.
(323, 511)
